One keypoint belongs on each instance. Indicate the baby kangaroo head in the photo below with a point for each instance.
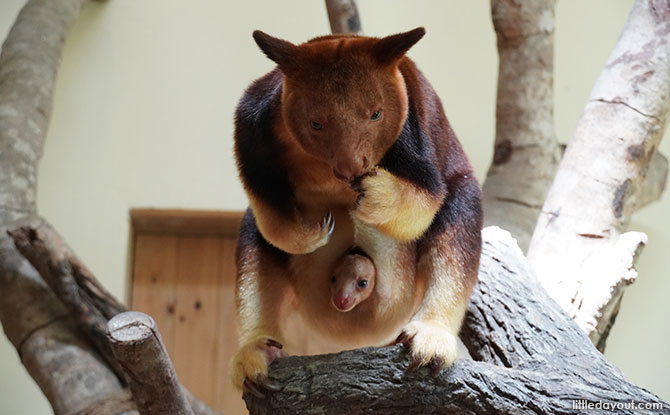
(343, 97)
(352, 282)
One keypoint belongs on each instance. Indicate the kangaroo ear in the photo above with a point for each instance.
(391, 48)
(282, 52)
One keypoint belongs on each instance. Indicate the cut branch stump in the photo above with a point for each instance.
(139, 349)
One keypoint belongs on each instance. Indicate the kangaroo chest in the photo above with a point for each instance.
(377, 320)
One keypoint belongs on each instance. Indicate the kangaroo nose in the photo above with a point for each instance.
(348, 171)
(343, 175)
(341, 302)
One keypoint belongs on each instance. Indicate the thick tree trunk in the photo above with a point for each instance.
(73, 378)
(526, 151)
(531, 358)
(579, 250)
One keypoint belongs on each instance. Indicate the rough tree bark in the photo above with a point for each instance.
(530, 358)
(579, 248)
(50, 339)
(518, 334)
(526, 150)
(73, 378)
(138, 346)
(343, 17)
(91, 308)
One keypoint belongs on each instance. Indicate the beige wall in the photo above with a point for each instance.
(143, 117)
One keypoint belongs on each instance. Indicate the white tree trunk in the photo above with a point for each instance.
(526, 151)
(579, 250)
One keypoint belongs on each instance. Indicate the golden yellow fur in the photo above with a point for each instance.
(434, 328)
(249, 362)
(398, 208)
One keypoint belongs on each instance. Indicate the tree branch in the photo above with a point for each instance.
(654, 182)
(89, 305)
(526, 151)
(138, 346)
(343, 16)
(579, 249)
(71, 374)
(55, 262)
(533, 359)
(60, 360)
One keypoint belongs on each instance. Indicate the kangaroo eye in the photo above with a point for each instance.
(376, 115)
(332, 280)
(316, 125)
(363, 283)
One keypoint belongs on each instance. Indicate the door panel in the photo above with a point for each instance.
(197, 314)
(154, 282)
(186, 281)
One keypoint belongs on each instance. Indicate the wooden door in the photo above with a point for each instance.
(183, 274)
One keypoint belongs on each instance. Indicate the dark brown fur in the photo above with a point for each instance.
(398, 185)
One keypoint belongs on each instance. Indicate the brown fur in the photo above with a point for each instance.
(309, 144)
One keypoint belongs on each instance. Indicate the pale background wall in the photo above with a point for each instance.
(143, 118)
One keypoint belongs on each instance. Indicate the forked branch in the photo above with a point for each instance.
(579, 248)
